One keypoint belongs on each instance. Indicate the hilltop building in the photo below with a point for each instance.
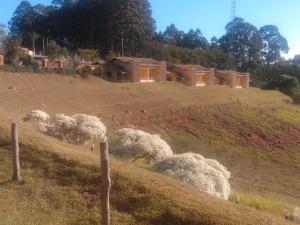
(1, 60)
(126, 69)
(233, 79)
(192, 75)
(200, 76)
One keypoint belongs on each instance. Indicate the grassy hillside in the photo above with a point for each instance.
(61, 186)
(254, 133)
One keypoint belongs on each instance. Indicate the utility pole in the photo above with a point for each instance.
(122, 43)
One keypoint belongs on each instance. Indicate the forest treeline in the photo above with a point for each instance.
(126, 27)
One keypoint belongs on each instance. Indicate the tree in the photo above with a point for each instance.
(24, 23)
(214, 42)
(126, 25)
(3, 34)
(53, 50)
(173, 36)
(244, 42)
(194, 39)
(297, 59)
(287, 84)
(273, 44)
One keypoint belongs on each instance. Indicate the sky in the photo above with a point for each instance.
(211, 16)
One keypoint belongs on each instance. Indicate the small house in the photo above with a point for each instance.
(127, 69)
(233, 79)
(1, 60)
(192, 75)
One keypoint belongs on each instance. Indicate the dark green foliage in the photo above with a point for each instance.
(127, 20)
(2, 33)
(244, 42)
(53, 50)
(176, 55)
(88, 54)
(172, 36)
(296, 95)
(287, 84)
(84, 72)
(273, 44)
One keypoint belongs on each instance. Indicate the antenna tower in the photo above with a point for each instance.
(233, 9)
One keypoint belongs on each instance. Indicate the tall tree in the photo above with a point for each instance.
(273, 44)
(126, 24)
(214, 42)
(194, 39)
(3, 34)
(243, 41)
(173, 36)
(24, 23)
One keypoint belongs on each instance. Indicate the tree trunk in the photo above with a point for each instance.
(105, 184)
(16, 161)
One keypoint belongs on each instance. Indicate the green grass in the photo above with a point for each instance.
(262, 204)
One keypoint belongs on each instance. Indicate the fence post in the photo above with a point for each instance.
(16, 160)
(105, 184)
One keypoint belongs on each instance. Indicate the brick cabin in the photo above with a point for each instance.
(1, 60)
(45, 62)
(2, 53)
(126, 69)
(192, 75)
(233, 79)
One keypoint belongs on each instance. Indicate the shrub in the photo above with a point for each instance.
(296, 95)
(206, 174)
(131, 143)
(88, 54)
(37, 115)
(78, 129)
(84, 72)
(97, 71)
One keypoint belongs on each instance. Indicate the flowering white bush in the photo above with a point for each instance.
(132, 143)
(297, 215)
(79, 128)
(206, 174)
(37, 115)
(88, 127)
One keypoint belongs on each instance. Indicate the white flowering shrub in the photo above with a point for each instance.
(131, 143)
(297, 215)
(206, 174)
(78, 128)
(88, 127)
(37, 116)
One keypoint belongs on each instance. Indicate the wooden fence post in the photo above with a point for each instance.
(16, 160)
(105, 184)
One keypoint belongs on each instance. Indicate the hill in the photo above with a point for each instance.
(254, 133)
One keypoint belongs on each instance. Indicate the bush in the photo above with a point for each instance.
(88, 54)
(287, 84)
(206, 174)
(296, 96)
(132, 144)
(84, 72)
(98, 71)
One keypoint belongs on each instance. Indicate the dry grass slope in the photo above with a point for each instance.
(256, 138)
